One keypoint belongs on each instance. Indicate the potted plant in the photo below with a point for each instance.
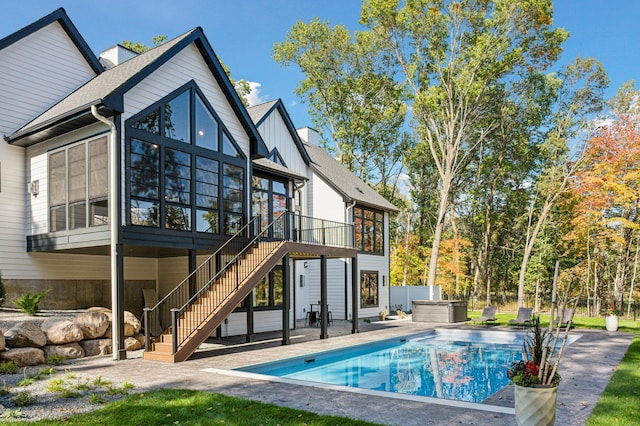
(611, 317)
(536, 377)
(383, 314)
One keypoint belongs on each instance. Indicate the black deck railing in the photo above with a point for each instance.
(227, 268)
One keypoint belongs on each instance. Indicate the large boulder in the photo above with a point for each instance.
(132, 325)
(140, 338)
(68, 351)
(25, 335)
(93, 324)
(132, 344)
(97, 347)
(3, 343)
(59, 332)
(24, 357)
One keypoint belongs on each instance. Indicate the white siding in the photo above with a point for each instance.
(185, 66)
(381, 265)
(275, 134)
(335, 286)
(324, 202)
(36, 72)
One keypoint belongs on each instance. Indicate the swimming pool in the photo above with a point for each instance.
(460, 365)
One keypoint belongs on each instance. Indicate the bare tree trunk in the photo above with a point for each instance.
(437, 235)
(456, 248)
(633, 277)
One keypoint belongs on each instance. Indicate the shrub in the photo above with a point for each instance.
(28, 302)
(23, 399)
(9, 367)
(3, 291)
(55, 359)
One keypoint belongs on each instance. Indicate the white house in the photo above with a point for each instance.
(131, 175)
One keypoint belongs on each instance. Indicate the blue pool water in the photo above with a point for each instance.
(450, 364)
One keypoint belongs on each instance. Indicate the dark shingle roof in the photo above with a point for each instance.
(344, 181)
(257, 112)
(270, 166)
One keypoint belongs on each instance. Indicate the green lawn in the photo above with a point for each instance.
(618, 405)
(187, 407)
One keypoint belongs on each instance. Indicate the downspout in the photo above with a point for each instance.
(115, 230)
(346, 284)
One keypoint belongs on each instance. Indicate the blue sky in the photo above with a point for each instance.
(243, 32)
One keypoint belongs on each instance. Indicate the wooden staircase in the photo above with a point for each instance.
(215, 302)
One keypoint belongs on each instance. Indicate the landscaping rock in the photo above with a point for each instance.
(97, 347)
(68, 350)
(132, 344)
(3, 343)
(23, 356)
(93, 324)
(140, 338)
(25, 335)
(131, 325)
(59, 332)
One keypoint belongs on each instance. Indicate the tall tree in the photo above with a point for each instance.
(453, 55)
(351, 99)
(579, 96)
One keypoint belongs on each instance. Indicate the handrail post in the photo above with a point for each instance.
(287, 225)
(174, 328)
(147, 333)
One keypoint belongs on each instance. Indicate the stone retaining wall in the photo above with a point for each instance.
(87, 334)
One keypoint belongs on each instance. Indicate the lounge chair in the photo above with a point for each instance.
(488, 315)
(523, 318)
(568, 316)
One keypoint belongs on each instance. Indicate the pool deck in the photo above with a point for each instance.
(586, 367)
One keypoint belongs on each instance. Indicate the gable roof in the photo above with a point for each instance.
(107, 90)
(59, 15)
(340, 178)
(260, 112)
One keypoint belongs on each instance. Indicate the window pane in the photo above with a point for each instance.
(233, 177)
(277, 286)
(57, 178)
(98, 171)
(260, 200)
(145, 162)
(150, 123)
(77, 174)
(58, 219)
(207, 183)
(261, 293)
(379, 234)
(206, 127)
(279, 188)
(233, 189)
(144, 213)
(99, 212)
(177, 217)
(207, 221)
(177, 169)
(176, 118)
(260, 183)
(77, 215)
(228, 148)
(357, 222)
(232, 224)
(368, 289)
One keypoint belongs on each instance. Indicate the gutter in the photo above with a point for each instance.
(117, 313)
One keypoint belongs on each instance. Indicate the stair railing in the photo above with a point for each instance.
(288, 226)
(227, 281)
(157, 317)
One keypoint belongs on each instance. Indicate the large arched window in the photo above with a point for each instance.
(185, 171)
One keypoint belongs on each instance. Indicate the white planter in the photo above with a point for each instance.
(536, 406)
(611, 322)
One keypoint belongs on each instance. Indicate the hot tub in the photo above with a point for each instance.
(444, 311)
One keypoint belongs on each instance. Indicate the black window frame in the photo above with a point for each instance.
(366, 291)
(359, 222)
(195, 150)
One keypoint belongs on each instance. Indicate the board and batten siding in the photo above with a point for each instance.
(275, 134)
(36, 72)
(335, 286)
(185, 66)
(323, 201)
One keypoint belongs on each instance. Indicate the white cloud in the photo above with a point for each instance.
(254, 98)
